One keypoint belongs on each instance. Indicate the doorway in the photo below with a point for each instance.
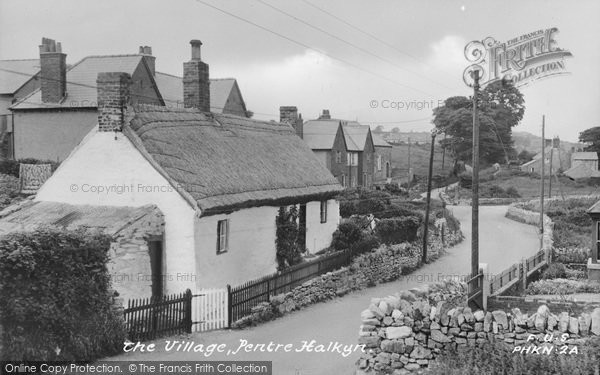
(156, 266)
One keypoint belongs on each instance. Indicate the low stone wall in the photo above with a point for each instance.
(384, 264)
(530, 304)
(533, 218)
(403, 333)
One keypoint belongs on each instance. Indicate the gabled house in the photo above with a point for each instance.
(583, 165)
(346, 148)
(53, 119)
(593, 264)
(200, 191)
(18, 78)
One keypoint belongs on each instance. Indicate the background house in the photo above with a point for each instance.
(217, 180)
(346, 148)
(383, 160)
(554, 156)
(583, 165)
(57, 116)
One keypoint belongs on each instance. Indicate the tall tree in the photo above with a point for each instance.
(501, 107)
(591, 136)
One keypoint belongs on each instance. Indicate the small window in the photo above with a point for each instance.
(323, 211)
(353, 181)
(344, 180)
(365, 182)
(378, 162)
(338, 157)
(222, 236)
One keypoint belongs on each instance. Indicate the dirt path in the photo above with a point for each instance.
(503, 242)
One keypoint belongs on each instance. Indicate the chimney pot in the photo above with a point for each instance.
(325, 114)
(196, 47)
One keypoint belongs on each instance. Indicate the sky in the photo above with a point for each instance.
(355, 58)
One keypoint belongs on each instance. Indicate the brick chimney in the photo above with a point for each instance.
(196, 84)
(113, 97)
(325, 115)
(146, 52)
(289, 115)
(53, 74)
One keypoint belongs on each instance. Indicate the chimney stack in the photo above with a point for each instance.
(325, 115)
(53, 74)
(113, 97)
(146, 52)
(196, 84)
(289, 115)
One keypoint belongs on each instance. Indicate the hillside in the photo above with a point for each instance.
(533, 143)
(419, 160)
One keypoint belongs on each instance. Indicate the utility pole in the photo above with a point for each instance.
(475, 183)
(430, 175)
(542, 184)
(550, 175)
(444, 152)
(409, 176)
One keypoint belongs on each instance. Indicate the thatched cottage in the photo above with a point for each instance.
(216, 180)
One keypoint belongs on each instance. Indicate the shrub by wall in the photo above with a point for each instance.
(56, 296)
(398, 230)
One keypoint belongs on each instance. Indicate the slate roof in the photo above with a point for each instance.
(81, 82)
(15, 73)
(109, 219)
(227, 162)
(585, 156)
(356, 135)
(171, 89)
(378, 141)
(320, 134)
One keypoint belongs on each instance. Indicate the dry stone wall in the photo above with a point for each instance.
(404, 332)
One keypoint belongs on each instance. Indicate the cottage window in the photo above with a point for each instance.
(378, 162)
(323, 211)
(338, 157)
(222, 236)
(365, 182)
(353, 181)
(344, 180)
(352, 159)
(598, 240)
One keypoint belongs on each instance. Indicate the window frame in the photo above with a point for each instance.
(222, 236)
(323, 212)
(338, 157)
(379, 163)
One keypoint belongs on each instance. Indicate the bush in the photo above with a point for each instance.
(498, 359)
(347, 234)
(288, 251)
(365, 244)
(396, 210)
(397, 230)
(55, 291)
(554, 271)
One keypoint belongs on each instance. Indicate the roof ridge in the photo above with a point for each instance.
(20, 60)
(117, 55)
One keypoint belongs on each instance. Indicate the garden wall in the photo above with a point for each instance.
(403, 333)
(384, 264)
(533, 218)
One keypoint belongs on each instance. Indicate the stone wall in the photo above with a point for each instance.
(384, 264)
(404, 332)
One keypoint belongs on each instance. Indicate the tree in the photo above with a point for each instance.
(525, 156)
(591, 136)
(500, 108)
(288, 252)
(378, 129)
(396, 130)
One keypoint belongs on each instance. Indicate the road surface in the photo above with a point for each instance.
(502, 242)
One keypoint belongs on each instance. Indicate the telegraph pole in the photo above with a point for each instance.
(475, 181)
(542, 184)
(550, 174)
(409, 177)
(426, 228)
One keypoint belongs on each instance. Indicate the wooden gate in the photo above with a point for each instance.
(210, 309)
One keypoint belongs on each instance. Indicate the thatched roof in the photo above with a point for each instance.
(226, 162)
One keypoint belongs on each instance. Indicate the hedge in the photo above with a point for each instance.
(11, 167)
(398, 230)
(56, 296)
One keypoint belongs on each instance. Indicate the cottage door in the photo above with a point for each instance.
(156, 250)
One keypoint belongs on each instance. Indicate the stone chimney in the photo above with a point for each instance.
(556, 142)
(196, 84)
(53, 74)
(289, 115)
(113, 97)
(146, 52)
(325, 115)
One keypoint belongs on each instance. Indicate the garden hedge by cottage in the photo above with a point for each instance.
(56, 297)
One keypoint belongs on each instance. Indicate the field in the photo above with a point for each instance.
(419, 159)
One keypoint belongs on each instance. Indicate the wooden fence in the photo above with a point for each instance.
(149, 318)
(517, 273)
(244, 297)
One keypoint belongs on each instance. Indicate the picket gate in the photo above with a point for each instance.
(210, 310)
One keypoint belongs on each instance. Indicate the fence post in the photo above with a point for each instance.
(485, 284)
(188, 311)
(229, 307)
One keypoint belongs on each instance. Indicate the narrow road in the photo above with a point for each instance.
(502, 242)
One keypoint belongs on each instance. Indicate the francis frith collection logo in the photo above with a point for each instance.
(522, 60)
